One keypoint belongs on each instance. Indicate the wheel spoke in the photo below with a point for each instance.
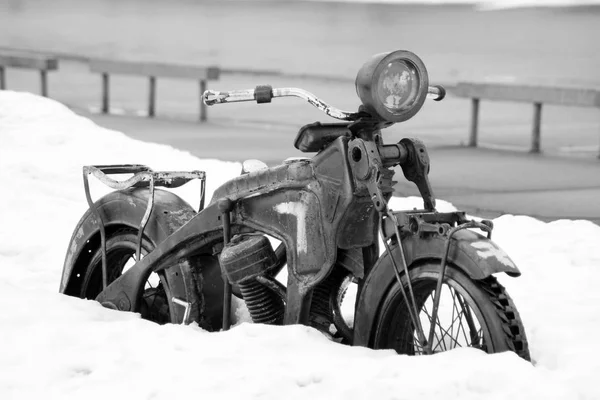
(121, 256)
(462, 328)
(418, 347)
(457, 314)
(455, 325)
(430, 323)
(455, 298)
(414, 342)
(470, 322)
(444, 332)
(454, 308)
(440, 341)
(439, 323)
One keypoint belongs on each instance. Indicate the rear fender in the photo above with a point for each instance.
(474, 254)
(124, 208)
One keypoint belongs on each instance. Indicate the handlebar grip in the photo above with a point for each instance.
(263, 94)
(393, 154)
(436, 93)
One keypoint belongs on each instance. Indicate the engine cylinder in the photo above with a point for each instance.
(246, 257)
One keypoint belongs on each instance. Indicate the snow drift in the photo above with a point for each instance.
(55, 346)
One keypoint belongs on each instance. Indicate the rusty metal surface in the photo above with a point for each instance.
(198, 233)
(247, 257)
(143, 176)
(326, 211)
(214, 97)
(475, 255)
(307, 204)
(422, 222)
(293, 175)
(317, 103)
(225, 205)
(416, 169)
(123, 208)
(409, 298)
(283, 201)
(315, 137)
(316, 207)
(486, 227)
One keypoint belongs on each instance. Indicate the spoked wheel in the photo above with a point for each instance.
(477, 314)
(121, 249)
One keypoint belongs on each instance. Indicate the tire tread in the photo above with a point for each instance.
(508, 314)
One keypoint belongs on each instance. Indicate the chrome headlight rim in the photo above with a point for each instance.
(368, 81)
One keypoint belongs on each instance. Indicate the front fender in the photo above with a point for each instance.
(124, 208)
(474, 254)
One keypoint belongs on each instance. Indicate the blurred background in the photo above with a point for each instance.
(473, 42)
(477, 41)
(319, 46)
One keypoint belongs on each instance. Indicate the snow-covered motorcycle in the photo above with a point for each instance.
(146, 250)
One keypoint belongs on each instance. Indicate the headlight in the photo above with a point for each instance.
(393, 86)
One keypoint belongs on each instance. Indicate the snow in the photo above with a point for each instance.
(58, 347)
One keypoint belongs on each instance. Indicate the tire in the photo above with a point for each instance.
(481, 313)
(121, 247)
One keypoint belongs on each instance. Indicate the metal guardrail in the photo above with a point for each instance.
(49, 61)
(27, 60)
(152, 71)
(538, 95)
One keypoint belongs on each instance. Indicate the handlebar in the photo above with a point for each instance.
(436, 92)
(264, 94)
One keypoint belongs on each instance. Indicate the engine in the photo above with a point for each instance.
(246, 261)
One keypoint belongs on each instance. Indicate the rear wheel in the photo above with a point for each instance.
(156, 305)
(477, 314)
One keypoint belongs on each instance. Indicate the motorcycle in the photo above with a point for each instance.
(143, 249)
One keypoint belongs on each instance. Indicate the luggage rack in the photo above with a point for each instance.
(143, 176)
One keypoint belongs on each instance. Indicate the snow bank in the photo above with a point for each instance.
(54, 346)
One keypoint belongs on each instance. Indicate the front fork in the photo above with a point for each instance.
(416, 169)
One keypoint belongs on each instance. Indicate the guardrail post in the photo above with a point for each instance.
(44, 82)
(599, 153)
(536, 132)
(2, 79)
(152, 97)
(474, 122)
(202, 105)
(105, 93)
